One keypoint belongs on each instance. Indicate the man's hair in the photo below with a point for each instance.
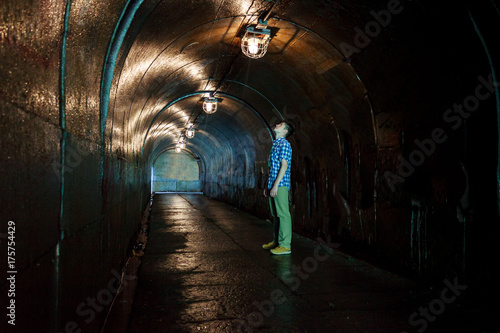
(289, 128)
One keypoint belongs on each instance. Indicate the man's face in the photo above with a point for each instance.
(280, 128)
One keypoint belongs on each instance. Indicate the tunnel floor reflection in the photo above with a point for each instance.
(204, 270)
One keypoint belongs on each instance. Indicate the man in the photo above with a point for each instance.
(278, 186)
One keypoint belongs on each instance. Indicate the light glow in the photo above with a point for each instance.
(190, 132)
(210, 104)
(253, 45)
(255, 41)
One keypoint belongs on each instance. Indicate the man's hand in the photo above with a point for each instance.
(274, 191)
(281, 173)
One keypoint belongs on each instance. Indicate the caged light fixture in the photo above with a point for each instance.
(256, 39)
(210, 104)
(180, 145)
(190, 131)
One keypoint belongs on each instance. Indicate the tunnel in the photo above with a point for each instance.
(395, 107)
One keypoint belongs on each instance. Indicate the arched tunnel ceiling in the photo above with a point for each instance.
(231, 125)
(177, 51)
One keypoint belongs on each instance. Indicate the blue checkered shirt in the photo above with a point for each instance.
(281, 150)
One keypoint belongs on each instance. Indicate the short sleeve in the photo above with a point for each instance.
(285, 152)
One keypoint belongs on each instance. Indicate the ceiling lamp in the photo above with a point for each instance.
(180, 145)
(190, 132)
(256, 40)
(210, 104)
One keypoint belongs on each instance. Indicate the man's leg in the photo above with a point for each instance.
(285, 219)
(276, 220)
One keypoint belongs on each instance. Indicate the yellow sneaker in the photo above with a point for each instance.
(280, 250)
(269, 246)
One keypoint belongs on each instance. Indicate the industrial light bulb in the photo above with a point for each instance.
(210, 105)
(255, 41)
(253, 46)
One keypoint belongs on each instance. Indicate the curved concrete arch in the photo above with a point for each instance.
(121, 29)
(200, 93)
(172, 42)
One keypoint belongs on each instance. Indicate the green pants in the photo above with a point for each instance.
(282, 219)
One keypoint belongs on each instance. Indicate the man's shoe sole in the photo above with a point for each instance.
(281, 253)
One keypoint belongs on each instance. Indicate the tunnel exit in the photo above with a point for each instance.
(176, 172)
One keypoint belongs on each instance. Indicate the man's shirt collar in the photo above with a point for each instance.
(279, 139)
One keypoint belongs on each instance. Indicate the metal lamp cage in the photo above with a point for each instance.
(255, 42)
(210, 104)
(190, 132)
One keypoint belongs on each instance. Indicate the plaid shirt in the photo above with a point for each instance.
(281, 150)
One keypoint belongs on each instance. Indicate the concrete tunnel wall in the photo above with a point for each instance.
(92, 92)
(76, 204)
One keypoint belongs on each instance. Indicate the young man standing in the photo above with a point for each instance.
(278, 186)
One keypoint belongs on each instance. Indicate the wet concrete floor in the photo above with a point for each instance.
(204, 271)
